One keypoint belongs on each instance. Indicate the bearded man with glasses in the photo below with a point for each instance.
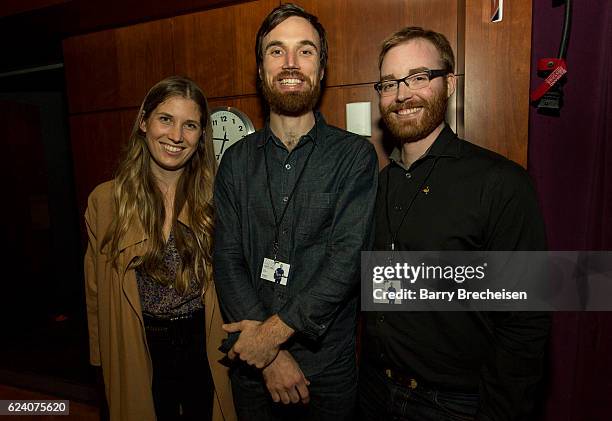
(443, 193)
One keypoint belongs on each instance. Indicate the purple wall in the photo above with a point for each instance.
(570, 159)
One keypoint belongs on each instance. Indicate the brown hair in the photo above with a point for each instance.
(136, 195)
(414, 32)
(280, 14)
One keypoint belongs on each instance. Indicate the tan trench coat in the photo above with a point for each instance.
(116, 330)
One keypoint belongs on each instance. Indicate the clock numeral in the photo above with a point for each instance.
(224, 118)
(233, 121)
(240, 128)
(214, 122)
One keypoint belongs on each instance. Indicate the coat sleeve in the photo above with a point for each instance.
(91, 281)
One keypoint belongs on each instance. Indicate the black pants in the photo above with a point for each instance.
(182, 383)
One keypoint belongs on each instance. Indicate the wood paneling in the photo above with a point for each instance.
(356, 29)
(334, 100)
(114, 69)
(251, 105)
(354, 46)
(97, 142)
(497, 63)
(216, 47)
(333, 106)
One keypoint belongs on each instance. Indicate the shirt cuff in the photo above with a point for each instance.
(294, 317)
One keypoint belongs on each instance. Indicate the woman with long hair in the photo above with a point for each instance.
(152, 309)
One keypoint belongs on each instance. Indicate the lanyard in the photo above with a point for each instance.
(393, 234)
(277, 221)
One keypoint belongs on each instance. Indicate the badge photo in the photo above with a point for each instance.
(275, 271)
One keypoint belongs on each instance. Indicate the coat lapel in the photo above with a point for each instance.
(131, 247)
(135, 235)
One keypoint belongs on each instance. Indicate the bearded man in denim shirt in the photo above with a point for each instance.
(298, 193)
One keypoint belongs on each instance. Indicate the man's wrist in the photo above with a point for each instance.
(278, 330)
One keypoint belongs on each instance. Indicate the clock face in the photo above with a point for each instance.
(229, 126)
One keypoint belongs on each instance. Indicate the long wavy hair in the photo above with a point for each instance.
(137, 196)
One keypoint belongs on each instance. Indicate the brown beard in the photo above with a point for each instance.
(433, 114)
(291, 103)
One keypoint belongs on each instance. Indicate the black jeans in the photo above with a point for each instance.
(382, 399)
(333, 395)
(182, 383)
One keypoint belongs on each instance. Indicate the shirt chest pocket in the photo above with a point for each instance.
(316, 216)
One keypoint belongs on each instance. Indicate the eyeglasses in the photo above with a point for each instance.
(418, 81)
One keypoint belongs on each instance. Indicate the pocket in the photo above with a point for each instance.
(461, 406)
(317, 216)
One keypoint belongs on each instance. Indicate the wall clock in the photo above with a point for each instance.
(229, 125)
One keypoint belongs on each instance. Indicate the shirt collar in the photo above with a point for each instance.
(316, 134)
(445, 145)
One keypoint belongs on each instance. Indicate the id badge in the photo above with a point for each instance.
(275, 271)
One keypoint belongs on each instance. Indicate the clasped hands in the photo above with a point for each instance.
(259, 345)
(259, 342)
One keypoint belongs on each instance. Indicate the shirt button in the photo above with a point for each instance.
(408, 175)
(397, 208)
(381, 318)
(285, 199)
(285, 231)
(288, 166)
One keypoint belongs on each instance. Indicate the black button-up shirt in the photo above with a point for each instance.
(459, 196)
(327, 223)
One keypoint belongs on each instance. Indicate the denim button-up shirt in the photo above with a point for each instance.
(327, 223)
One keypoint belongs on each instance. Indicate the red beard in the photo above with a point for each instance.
(432, 115)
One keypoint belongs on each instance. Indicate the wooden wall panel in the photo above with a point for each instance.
(356, 29)
(216, 47)
(354, 45)
(91, 82)
(115, 68)
(333, 106)
(497, 65)
(334, 100)
(97, 142)
(251, 105)
(111, 70)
